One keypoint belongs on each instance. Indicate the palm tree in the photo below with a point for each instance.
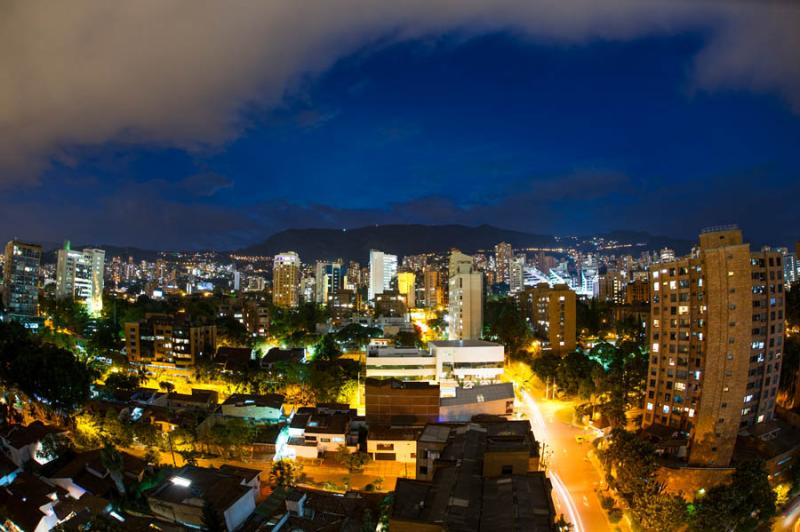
(111, 459)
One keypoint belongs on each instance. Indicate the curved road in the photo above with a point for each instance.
(573, 476)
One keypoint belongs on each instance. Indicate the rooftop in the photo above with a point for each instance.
(272, 400)
(463, 343)
(480, 394)
(192, 486)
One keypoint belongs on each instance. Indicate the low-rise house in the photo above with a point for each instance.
(318, 511)
(393, 443)
(85, 473)
(491, 399)
(259, 408)
(20, 443)
(181, 496)
(276, 357)
(316, 431)
(203, 400)
(234, 359)
(27, 504)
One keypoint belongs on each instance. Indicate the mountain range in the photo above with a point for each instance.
(402, 240)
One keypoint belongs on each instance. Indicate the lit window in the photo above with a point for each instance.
(649, 406)
(655, 348)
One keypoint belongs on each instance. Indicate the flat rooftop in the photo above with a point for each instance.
(463, 343)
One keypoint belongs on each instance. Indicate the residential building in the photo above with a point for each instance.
(716, 343)
(180, 498)
(174, 339)
(491, 399)
(433, 290)
(312, 510)
(402, 403)
(637, 292)
(286, 279)
(396, 444)
(465, 302)
(316, 431)
(382, 271)
(407, 287)
(475, 476)
(21, 444)
(79, 276)
(460, 362)
(503, 255)
(516, 274)
(551, 313)
(610, 286)
(20, 278)
(328, 279)
(390, 304)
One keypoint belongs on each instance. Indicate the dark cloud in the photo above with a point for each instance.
(179, 73)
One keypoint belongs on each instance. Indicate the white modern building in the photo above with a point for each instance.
(405, 364)
(382, 269)
(466, 362)
(465, 308)
(79, 275)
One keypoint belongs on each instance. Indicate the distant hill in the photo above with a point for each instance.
(402, 240)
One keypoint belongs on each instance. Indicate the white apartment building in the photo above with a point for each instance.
(465, 310)
(382, 269)
(79, 275)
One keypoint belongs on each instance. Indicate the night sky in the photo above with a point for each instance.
(170, 126)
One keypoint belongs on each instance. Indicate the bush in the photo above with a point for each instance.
(615, 515)
(606, 502)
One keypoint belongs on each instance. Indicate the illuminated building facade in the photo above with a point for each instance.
(171, 339)
(465, 303)
(382, 270)
(503, 254)
(286, 279)
(716, 340)
(79, 275)
(406, 287)
(551, 312)
(20, 276)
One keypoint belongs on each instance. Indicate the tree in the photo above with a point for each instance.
(285, 474)
(327, 349)
(122, 382)
(504, 323)
(657, 511)
(112, 460)
(52, 446)
(167, 386)
(355, 461)
(747, 503)
(545, 366)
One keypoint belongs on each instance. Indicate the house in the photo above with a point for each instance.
(277, 356)
(491, 399)
(202, 400)
(262, 408)
(316, 431)
(318, 511)
(20, 443)
(393, 443)
(27, 504)
(234, 359)
(181, 496)
(84, 473)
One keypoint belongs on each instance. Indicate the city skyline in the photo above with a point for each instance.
(532, 119)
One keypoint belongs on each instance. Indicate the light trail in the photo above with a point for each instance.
(537, 419)
(564, 495)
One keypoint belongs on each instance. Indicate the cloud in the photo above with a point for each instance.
(179, 73)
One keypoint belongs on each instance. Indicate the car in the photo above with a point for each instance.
(580, 438)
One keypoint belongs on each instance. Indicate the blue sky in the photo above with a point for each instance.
(487, 127)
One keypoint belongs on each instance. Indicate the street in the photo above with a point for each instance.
(573, 477)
